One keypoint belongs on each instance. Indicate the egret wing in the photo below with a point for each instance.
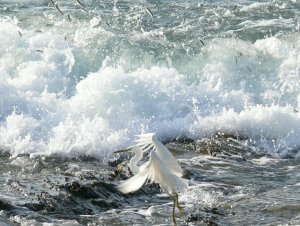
(156, 171)
(168, 181)
(149, 141)
(164, 154)
(135, 182)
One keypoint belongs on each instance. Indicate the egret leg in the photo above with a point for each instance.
(177, 204)
(173, 215)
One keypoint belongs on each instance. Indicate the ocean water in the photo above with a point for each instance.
(81, 81)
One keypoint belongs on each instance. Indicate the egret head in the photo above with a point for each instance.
(133, 163)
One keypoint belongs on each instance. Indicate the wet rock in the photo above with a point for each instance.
(184, 140)
(206, 216)
(116, 162)
(121, 171)
(207, 221)
(104, 204)
(97, 195)
(35, 206)
(220, 145)
(59, 204)
(78, 198)
(76, 189)
(5, 205)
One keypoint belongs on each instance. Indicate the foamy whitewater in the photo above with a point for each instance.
(87, 86)
(79, 79)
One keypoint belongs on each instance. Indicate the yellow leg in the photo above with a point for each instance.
(177, 204)
(174, 216)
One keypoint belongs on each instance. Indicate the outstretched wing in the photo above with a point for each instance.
(135, 182)
(149, 141)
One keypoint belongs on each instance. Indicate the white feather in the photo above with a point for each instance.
(162, 151)
(135, 182)
(156, 172)
(162, 167)
(169, 182)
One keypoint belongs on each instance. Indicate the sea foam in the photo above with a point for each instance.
(52, 103)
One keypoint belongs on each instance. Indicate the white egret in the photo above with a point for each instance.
(162, 168)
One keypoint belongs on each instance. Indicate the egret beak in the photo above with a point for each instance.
(124, 150)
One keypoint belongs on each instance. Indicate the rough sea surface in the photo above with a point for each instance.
(217, 81)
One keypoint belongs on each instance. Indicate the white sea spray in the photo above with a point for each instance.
(80, 88)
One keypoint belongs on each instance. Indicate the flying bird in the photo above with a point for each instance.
(59, 10)
(149, 12)
(81, 5)
(162, 168)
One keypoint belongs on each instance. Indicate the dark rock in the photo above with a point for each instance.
(121, 172)
(104, 204)
(5, 205)
(81, 191)
(205, 216)
(35, 206)
(116, 162)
